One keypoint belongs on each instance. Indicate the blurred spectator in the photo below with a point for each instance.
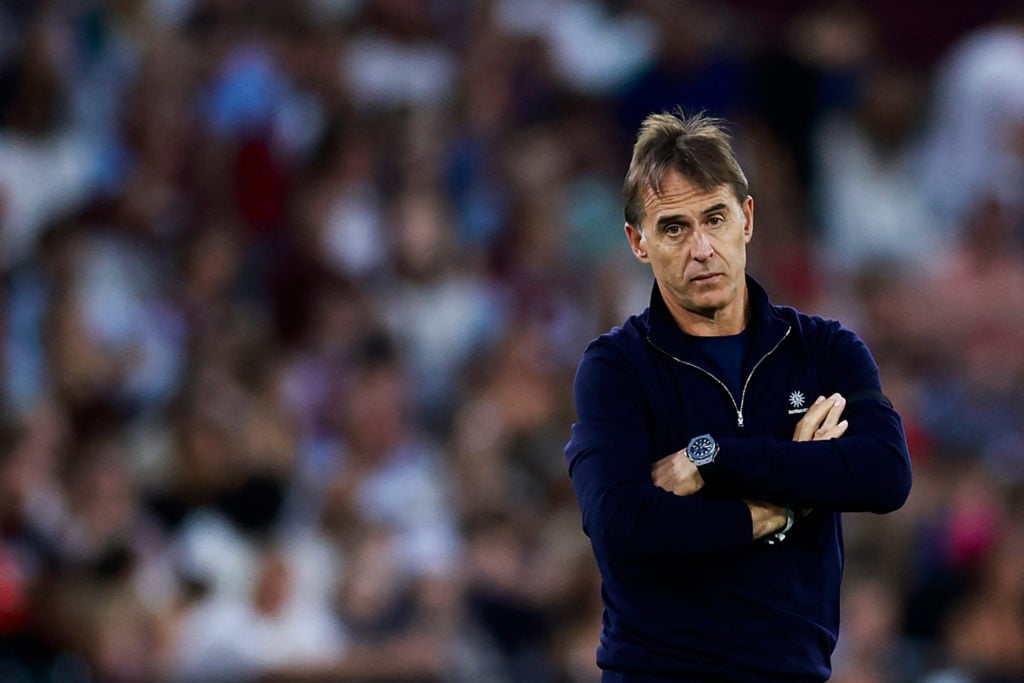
(980, 327)
(47, 164)
(230, 638)
(593, 48)
(398, 58)
(975, 150)
(868, 198)
(696, 64)
(440, 313)
(809, 72)
(871, 650)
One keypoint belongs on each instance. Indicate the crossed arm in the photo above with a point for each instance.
(677, 474)
(631, 510)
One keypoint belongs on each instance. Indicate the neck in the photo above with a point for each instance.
(718, 322)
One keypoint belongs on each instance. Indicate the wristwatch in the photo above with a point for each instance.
(702, 449)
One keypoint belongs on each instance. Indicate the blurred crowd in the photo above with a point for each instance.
(293, 293)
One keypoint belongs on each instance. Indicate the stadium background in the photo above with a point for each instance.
(293, 293)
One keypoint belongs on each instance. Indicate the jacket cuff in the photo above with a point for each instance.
(712, 474)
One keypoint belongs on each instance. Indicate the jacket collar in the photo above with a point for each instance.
(765, 326)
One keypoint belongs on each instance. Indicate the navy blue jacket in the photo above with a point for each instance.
(687, 594)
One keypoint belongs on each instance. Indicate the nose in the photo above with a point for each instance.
(702, 250)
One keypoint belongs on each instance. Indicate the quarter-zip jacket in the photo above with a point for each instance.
(687, 594)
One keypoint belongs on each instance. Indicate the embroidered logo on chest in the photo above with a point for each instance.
(796, 402)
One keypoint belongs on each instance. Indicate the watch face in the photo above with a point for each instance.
(702, 449)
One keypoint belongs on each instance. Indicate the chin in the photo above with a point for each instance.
(705, 308)
(710, 302)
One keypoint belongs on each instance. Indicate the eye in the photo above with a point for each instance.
(716, 220)
(673, 230)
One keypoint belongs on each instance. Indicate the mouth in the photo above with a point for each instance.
(706, 277)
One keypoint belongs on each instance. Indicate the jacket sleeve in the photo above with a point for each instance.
(867, 469)
(624, 513)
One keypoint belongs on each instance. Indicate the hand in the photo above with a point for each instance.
(767, 518)
(821, 422)
(677, 474)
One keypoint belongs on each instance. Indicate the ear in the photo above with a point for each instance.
(748, 219)
(637, 242)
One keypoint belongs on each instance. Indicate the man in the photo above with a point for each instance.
(709, 478)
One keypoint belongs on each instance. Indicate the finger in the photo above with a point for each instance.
(804, 429)
(833, 433)
(662, 471)
(664, 483)
(680, 488)
(809, 423)
(826, 414)
(663, 464)
(837, 404)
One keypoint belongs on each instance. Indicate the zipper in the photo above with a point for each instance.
(746, 383)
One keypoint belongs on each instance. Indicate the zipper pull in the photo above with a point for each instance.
(739, 418)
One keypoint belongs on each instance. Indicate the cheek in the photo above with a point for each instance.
(665, 252)
(733, 249)
(658, 260)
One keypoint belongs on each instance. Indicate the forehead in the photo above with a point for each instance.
(680, 196)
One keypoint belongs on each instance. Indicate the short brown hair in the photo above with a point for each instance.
(697, 146)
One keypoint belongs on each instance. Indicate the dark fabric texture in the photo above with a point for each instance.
(687, 594)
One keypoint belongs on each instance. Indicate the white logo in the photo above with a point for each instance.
(796, 399)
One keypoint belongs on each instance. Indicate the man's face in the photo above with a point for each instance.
(696, 243)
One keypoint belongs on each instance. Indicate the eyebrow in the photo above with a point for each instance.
(676, 218)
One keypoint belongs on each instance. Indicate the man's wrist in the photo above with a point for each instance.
(703, 451)
(766, 518)
(780, 535)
